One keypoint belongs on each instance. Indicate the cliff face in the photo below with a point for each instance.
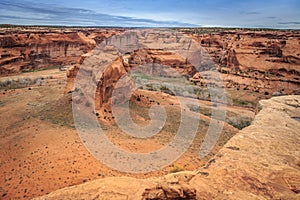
(236, 48)
(139, 58)
(263, 62)
(260, 162)
(22, 50)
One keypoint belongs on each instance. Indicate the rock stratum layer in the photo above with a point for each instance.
(260, 162)
(38, 48)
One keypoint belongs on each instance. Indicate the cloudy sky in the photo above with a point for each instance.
(153, 13)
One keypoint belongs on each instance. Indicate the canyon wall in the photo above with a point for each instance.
(22, 50)
(264, 62)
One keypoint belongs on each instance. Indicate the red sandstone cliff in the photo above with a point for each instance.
(22, 50)
(260, 61)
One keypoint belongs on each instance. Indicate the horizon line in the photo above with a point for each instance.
(138, 27)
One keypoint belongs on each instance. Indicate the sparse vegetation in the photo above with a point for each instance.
(241, 102)
(22, 82)
(239, 123)
(41, 69)
(18, 83)
(176, 169)
(231, 118)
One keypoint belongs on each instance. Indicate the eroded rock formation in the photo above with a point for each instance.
(264, 62)
(27, 49)
(154, 59)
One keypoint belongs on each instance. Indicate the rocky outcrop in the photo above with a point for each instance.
(145, 56)
(260, 162)
(23, 50)
(263, 62)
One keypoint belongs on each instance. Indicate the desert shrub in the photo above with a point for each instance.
(18, 83)
(176, 169)
(5, 83)
(240, 102)
(239, 123)
(87, 104)
(214, 104)
(163, 88)
(194, 108)
(39, 81)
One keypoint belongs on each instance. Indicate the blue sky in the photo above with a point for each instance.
(153, 13)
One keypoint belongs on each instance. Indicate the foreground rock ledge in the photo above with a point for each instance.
(261, 162)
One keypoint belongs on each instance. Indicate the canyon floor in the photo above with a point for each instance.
(41, 150)
(259, 162)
